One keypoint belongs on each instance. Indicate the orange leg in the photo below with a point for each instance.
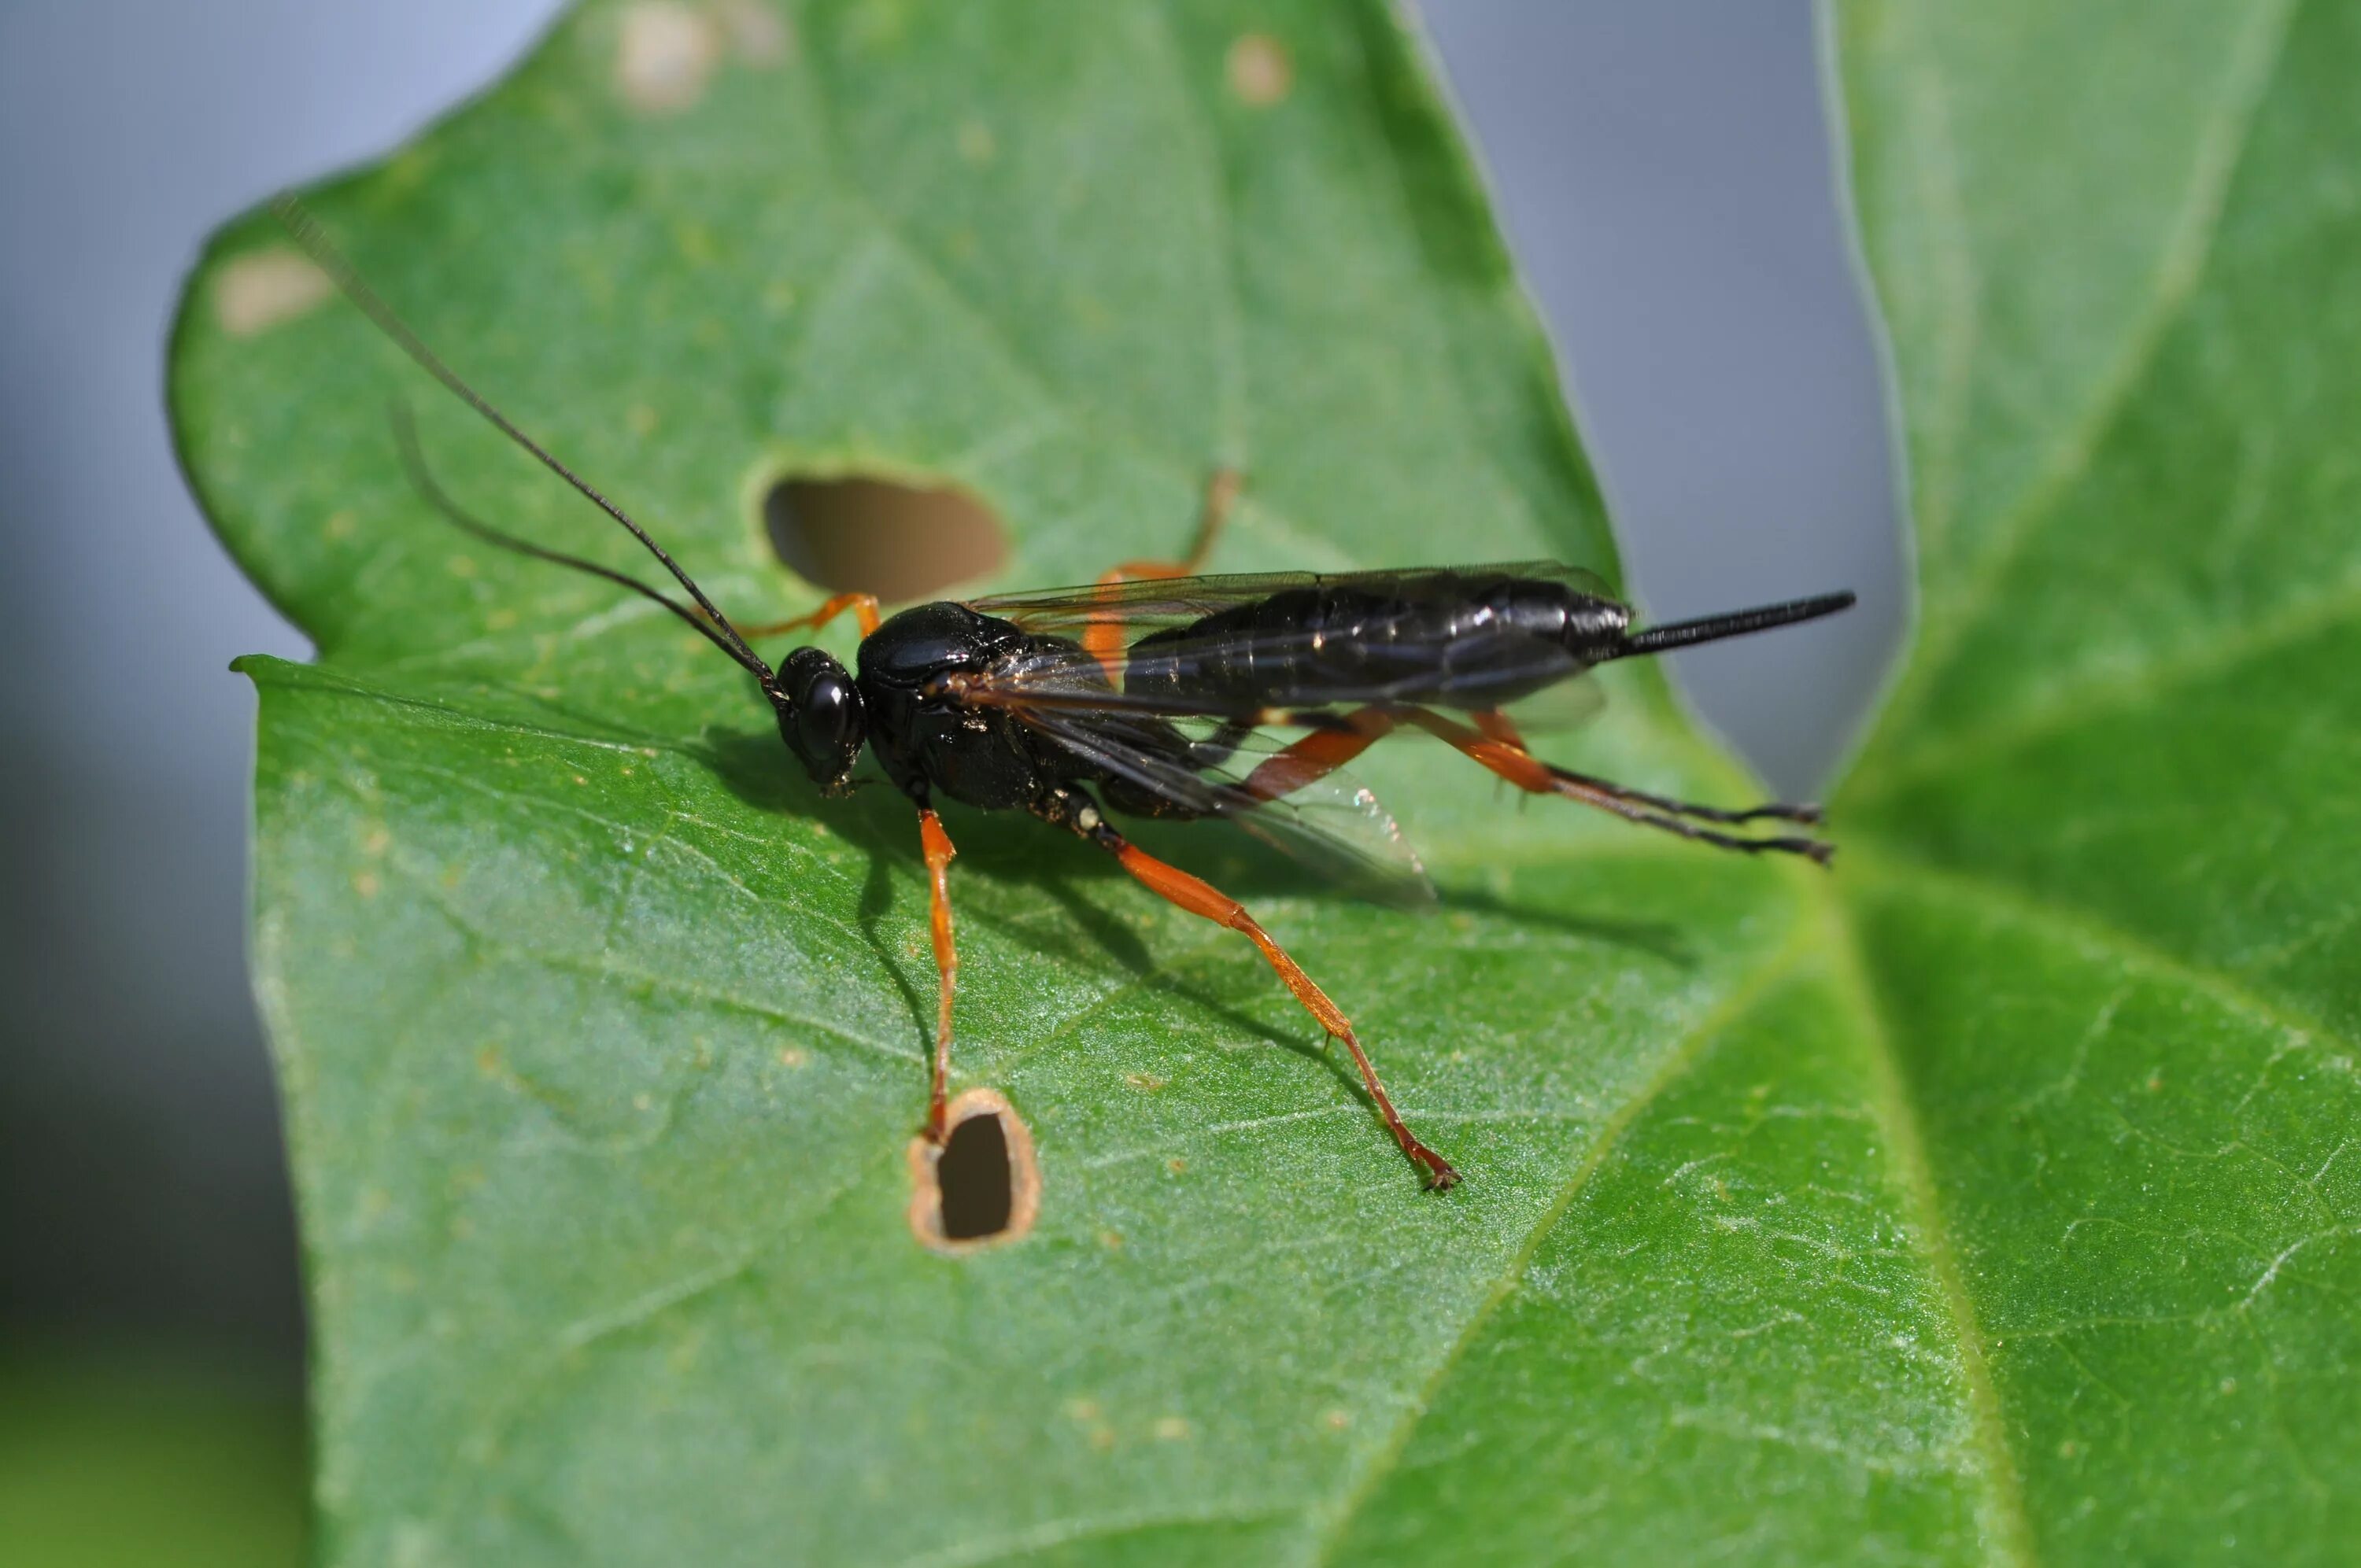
(1530, 774)
(1494, 724)
(863, 608)
(1493, 740)
(937, 845)
(1318, 754)
(1102, 638)
(1202, 898)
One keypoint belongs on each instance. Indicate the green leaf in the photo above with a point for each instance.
(1984, 1201)
(2104, 849)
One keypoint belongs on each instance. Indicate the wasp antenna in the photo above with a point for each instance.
(422, 478)
(1736, 624)
(306, 232)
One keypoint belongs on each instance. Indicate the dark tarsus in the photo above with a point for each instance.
(993, 704)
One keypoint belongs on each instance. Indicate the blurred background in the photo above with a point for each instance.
(1665, 172)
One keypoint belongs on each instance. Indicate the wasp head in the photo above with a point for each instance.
(820, 717)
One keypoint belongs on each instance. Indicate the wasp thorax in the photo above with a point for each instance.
(820, 717)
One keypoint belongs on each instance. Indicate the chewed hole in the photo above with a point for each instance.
(980, 1187)
(973, 1177)
(862, 534)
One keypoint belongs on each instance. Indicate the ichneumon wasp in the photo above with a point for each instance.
(1153, 692)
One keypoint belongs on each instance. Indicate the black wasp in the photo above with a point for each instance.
(1154, 693)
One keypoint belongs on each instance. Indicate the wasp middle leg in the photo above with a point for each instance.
(1103, 637)
(1214, 514)
(1202, 898)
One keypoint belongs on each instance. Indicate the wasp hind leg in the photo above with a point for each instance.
(1201, 898)
(1497, 747)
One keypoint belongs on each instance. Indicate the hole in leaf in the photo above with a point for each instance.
(862, 535)
(980, 1188)
(973, 1177)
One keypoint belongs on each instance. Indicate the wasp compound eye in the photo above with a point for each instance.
(822, 722)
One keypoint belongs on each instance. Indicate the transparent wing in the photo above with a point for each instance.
(1155, 604)
(1471, 672)
(1559, 707)
(1334, 824)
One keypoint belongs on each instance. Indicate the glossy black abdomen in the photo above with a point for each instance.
(1448, 638)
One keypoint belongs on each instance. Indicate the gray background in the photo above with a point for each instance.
(1663, 170)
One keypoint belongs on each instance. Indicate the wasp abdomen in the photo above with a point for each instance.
(1454, 639)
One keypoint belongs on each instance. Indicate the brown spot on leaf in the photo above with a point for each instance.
(758, 34)
(265, 287)
(1259, 71)
(665, 55)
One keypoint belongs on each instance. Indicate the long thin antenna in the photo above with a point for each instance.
(1736, 623)
(307, 233)
(413, 458)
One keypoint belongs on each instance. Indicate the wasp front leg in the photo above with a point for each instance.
(936, 845)
(862, 606)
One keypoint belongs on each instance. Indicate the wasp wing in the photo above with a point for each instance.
(1189, 755)
(1176, 736)
(1143, 604)
(1336, 825)
(1557, 708)
(1196, 675)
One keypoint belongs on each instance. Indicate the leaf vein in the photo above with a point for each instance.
(2007, 1525)
(1675, 1063)
(2220, 149)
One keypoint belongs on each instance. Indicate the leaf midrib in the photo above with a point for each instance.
(2007, 1527)
(1386, 1454)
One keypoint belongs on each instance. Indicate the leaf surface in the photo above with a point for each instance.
(2104, 846)
(1942, 1211)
